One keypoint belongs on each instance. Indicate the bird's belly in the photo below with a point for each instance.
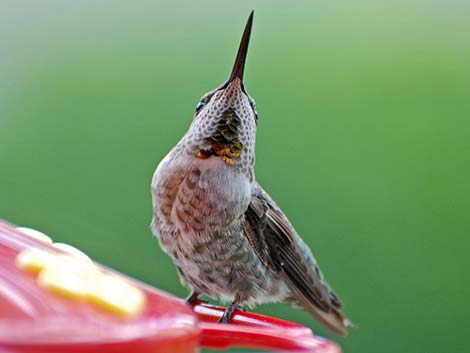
(197, 213)
(225, 266)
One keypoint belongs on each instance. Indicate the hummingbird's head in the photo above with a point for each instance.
(224, 124)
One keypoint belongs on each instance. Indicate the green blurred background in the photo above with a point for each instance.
(363, 140)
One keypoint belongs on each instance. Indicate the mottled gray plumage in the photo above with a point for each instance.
(226, 236)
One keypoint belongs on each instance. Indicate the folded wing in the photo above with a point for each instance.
(279, 247)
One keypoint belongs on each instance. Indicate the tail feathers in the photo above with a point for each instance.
(334, 320)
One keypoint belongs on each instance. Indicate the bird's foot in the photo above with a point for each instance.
(228, 313)
(193, 299)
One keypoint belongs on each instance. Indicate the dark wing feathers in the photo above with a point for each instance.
(278, 246)
(293, 262)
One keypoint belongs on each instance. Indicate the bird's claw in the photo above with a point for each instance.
(194, 300)
(226, 318)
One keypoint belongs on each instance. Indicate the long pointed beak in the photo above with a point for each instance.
(239, 65)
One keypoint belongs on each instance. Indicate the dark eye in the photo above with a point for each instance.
(199, 106)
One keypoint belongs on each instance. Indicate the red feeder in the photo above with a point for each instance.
(54, 299)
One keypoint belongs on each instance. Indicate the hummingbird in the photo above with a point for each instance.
(225, 234)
